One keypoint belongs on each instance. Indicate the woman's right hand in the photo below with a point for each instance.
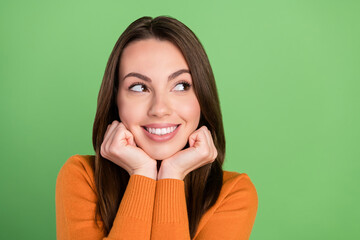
(120, 148)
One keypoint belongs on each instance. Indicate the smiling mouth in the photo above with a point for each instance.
(161, 131)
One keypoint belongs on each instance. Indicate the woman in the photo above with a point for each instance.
(159, 143)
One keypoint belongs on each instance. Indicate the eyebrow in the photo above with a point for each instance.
(147, 79)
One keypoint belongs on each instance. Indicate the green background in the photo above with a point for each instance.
(288, 77)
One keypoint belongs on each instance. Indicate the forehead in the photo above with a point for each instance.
(151, 55)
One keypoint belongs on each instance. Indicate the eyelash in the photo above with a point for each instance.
(186, 85)
(137, 83)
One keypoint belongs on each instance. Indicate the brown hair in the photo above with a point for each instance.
(203, 185)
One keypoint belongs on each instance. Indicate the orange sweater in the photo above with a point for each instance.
(150, 209)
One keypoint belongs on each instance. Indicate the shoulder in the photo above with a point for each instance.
(76, 161)
(240, 187)
(78, 169)
(75, 193)
(234, 211)
(235, 178)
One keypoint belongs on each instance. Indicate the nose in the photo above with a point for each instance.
(160, 106)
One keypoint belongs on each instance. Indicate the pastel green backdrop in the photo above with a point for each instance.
(288, 77)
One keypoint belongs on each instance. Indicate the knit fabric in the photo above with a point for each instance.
(150, 209)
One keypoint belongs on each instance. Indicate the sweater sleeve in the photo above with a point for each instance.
(170, 218)
(76, 203)
(235, 216)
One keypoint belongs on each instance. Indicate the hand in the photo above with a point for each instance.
(120, 148)
(201, 151)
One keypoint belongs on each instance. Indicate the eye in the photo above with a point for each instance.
(138, 87)
(182, 86)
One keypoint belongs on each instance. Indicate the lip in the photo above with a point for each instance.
(161, 138)
(161, 125)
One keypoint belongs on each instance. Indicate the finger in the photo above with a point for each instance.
(205, 139)
(193, 138)
(198, 138)
(211, 146)
(128, 135)
(129, 138)
(207, 135)
(110, 130)
(122, 136)
(113, 130)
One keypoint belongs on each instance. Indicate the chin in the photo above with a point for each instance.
(161, 151)
(160, 155)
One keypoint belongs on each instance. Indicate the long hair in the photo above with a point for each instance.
(203, 185)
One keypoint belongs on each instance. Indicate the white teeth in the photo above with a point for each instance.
(161, 131)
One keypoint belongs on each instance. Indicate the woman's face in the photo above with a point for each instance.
(156, 100)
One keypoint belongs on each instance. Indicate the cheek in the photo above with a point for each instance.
(189, 109)
(129, 112)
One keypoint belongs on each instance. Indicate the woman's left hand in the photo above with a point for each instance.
(201, 151)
